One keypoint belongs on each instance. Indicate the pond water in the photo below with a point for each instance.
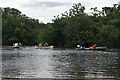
(58, 63)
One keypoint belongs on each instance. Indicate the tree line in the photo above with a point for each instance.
(70, 28)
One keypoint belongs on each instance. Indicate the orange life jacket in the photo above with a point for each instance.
(94, 46)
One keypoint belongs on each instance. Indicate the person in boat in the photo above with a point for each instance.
(40, 45)
(78, 46)
(93, 46)
(15, 44)
(46, 44)
(81, 46)
(20, 44)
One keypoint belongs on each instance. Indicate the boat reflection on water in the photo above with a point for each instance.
(59, 64)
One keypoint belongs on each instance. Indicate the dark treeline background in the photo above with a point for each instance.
(66, 30)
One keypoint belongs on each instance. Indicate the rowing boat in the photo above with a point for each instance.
(97, 48)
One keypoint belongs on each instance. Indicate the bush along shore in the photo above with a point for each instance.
(66, 30)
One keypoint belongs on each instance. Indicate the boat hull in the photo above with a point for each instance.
(16, 46)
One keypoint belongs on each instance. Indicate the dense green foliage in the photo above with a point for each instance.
(18, 27)
(67, 30)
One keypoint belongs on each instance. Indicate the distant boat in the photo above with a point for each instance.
(44, 47)
(97, 48)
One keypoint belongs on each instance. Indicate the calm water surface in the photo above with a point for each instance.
(57, 63)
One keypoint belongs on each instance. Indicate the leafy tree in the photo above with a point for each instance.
(68, 29)
(18, 27)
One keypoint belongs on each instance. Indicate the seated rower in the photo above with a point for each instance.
(93, 46)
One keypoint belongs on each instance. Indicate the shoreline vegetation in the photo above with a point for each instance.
(69, 29)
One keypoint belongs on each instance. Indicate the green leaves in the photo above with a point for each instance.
(18, 28)
(71, 28)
